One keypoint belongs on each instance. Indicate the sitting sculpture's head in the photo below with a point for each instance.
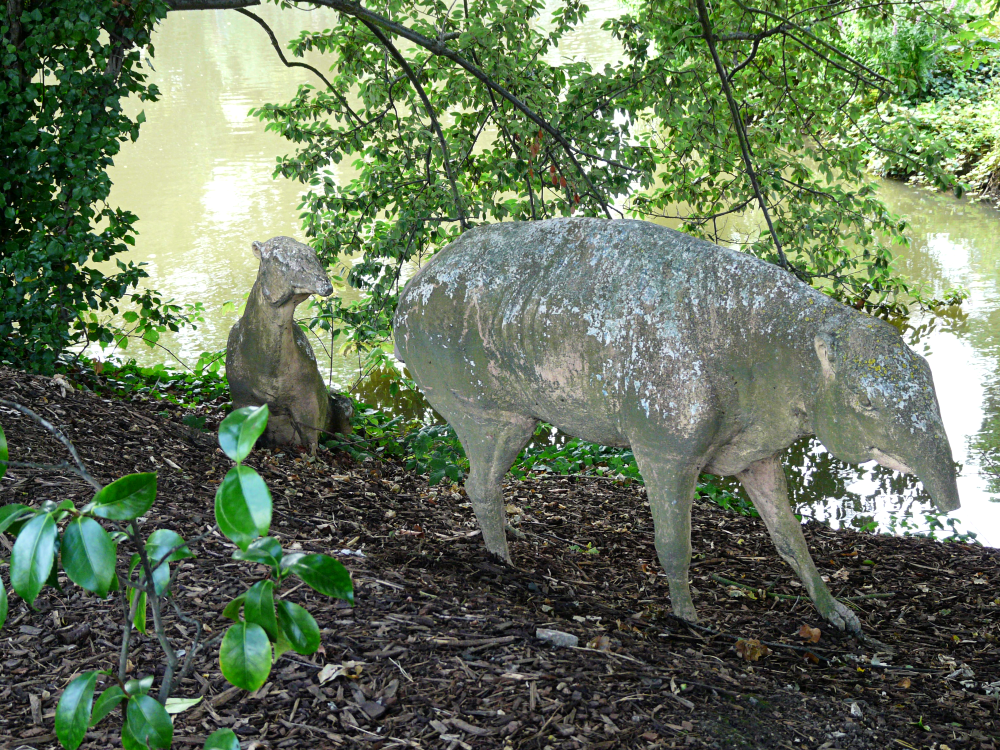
(289, 271)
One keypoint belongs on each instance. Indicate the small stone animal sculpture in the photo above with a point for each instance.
(268, 358)
(699, 358)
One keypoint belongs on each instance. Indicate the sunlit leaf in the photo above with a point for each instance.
(240, 430)
(299, 627)
(89, 555)
(126, 498)
(73, 711)
(32, 557)
(245, 655)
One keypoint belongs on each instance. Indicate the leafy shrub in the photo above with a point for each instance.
(264, 626)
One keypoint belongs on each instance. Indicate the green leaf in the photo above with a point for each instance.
(106, 702)
(126, 498)
(138, 687)
(73, 711)
(89, 555)
(325, 575)
(299, 628)
(4, 455)
(139, 619)
(149, 722)
(161, 542)
(243, 506)
(266, 551)
(245, 655)
(232, 610)
(11, 513)
(240, 430)
(259, 607)
(179, 705)
(222, 739)
(34, 552)
(3, 604)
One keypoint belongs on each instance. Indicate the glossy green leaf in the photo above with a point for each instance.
(11, 513)
(4, 455)
(266, 551)
(245, 655)
(299, 627)
(222, 739)
(243, 506)
(106, 703)
(139, 618)
(240, 430)
(126, 498)
(73, 711)
(232, 610)
(259, 607)
(164, 541)
(33, 555)
(149, 722)
(324, 574)
(89, 555)
(140, 686)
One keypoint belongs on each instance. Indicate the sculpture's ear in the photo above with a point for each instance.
(257, 248)
(824, 351)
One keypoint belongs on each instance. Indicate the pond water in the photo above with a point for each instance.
(199, 178)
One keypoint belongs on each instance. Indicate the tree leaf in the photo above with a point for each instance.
(73, 711)
(324, 574)
(135, 687)
(89, 555)
(11, 513)
(31, 560)
(266, 551)
(245, 655)
(299, 627)
(126, 498)
(106, 703)
(222, 739)
(161, 542)
(232, 610)
(149, 722)
(240, 430)
(179, 705)
(139, 619)
(259, 607)
(243, 506)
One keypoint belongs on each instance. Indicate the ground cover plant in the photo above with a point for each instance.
(441, 648)
(264, 627)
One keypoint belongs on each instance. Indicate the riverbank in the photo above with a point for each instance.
(440, 649)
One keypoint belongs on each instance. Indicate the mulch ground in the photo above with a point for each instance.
(440, 650)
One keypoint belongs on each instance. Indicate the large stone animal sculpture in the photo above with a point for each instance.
(700, 358)
(268, 358)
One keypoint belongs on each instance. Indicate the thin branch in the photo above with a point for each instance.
(706, 26)
(355, 10)
(57, 433)
(445, 156)
(209, 4)
(281, 55)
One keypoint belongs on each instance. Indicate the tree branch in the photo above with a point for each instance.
(445, 156)
(355, 10)
(281, 56)
(209, 4)
(741, 134)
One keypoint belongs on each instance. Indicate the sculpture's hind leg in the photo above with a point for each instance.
(492, 439)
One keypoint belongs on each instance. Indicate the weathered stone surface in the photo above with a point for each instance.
(268, 358)
(698, 357)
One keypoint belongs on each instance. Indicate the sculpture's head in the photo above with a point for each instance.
(289, 271)
(877, 401)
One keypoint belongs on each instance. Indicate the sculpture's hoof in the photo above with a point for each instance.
(842, 618)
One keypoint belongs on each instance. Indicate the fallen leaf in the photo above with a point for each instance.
(904, 683)
(751, 649)
(810, 634)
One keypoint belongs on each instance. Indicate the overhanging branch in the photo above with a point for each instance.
(209, 4)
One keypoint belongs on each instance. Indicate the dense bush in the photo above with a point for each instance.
(65, 68)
